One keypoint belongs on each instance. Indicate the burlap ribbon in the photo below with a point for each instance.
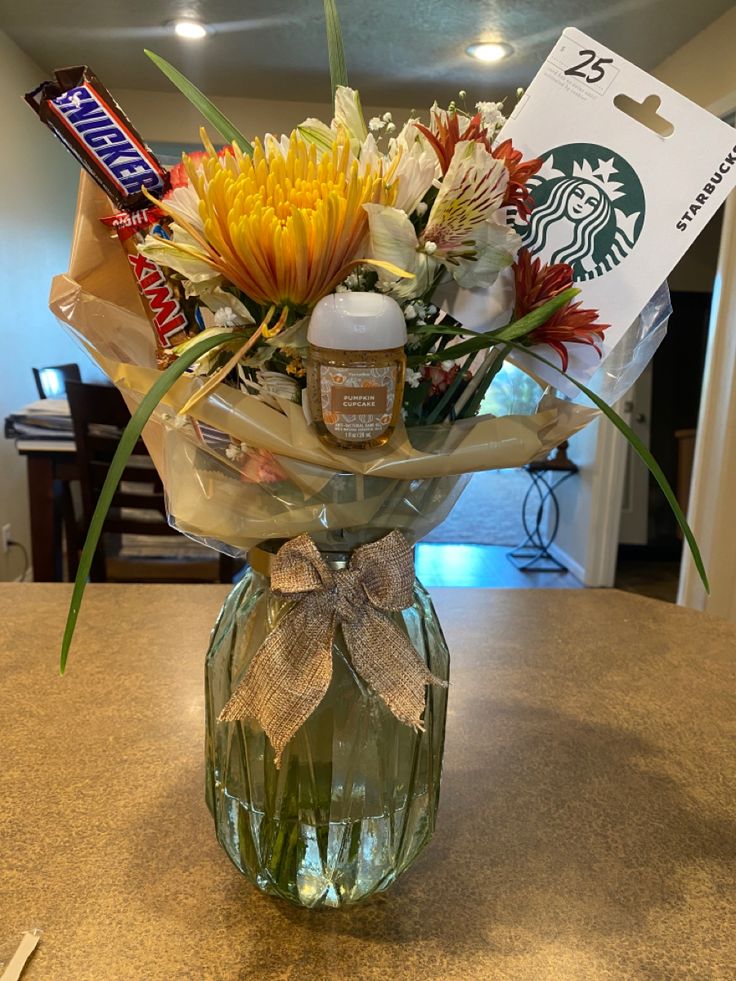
(291, 671)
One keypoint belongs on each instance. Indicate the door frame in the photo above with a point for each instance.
(713, 486)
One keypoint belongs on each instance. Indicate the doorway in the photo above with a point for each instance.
(663, 408)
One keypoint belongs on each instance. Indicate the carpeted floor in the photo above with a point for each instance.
(489, 511)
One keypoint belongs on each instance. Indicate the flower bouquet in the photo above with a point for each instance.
(327, 670)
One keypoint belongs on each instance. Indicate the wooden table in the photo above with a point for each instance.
(587, 828)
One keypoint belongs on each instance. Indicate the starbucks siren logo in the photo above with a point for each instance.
(588, 209)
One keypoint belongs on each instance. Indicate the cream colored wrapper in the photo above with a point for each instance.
(284, 481)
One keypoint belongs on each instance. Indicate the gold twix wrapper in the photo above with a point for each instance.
(171, 315)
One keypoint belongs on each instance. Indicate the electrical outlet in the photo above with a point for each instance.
(6, 536)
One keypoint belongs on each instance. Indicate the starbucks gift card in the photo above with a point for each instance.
(631, 174)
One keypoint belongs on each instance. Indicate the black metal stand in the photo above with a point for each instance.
(533, 554)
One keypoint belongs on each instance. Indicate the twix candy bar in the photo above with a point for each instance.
(170, 313)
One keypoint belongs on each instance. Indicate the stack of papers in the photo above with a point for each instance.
(45, 419)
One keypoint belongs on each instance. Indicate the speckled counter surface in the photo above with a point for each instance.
(587, 827)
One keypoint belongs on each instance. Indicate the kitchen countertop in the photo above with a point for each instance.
(587, 828)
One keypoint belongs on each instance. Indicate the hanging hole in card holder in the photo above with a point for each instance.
(646, 113)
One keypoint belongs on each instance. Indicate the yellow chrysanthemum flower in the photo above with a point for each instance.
(285, 225)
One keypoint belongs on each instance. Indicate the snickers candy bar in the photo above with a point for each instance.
(85, 117)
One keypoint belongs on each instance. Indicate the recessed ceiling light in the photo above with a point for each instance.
(489, 51)
(192, 30)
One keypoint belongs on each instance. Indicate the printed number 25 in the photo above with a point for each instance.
(594, 65)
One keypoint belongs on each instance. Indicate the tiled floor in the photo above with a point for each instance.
(481, 566)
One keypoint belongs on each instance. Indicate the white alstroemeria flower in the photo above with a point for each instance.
(465, 232)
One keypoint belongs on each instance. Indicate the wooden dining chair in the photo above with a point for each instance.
(51, 381)
(138, 508)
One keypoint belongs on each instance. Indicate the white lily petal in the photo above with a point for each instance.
(316, 132)
(185, 202)
(393, 239)
(414, 176)
(349, 113)
(369, 156)
(180, 258)
(495, 247)
(275, 145)
(480, 309)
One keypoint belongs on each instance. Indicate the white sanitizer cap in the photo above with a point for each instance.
(357, 322)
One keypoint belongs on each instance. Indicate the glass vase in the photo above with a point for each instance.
(355, 799)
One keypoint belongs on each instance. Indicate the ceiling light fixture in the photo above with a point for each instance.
(192, 30)
(489, 51)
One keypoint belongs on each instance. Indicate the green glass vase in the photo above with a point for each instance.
(356, 797)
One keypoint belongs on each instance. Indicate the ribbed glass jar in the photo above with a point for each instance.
(355, 799)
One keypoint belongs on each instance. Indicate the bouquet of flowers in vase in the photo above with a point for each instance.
(327, 668)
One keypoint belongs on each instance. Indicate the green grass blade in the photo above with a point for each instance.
(130, 437)
(335, 49)
(524, 325)
(227, 130)
(642, 451)
(518, 328)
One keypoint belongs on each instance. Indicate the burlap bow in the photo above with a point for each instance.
(291, 671)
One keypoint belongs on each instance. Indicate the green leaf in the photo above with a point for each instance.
(517, 328)
(130, 437)
(199, 100)
(641, 450)
(338, 69)
(524, 325)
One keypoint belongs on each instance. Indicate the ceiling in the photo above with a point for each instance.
(399, 52)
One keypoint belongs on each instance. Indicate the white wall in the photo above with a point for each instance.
(703, 69)
(38, 185)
